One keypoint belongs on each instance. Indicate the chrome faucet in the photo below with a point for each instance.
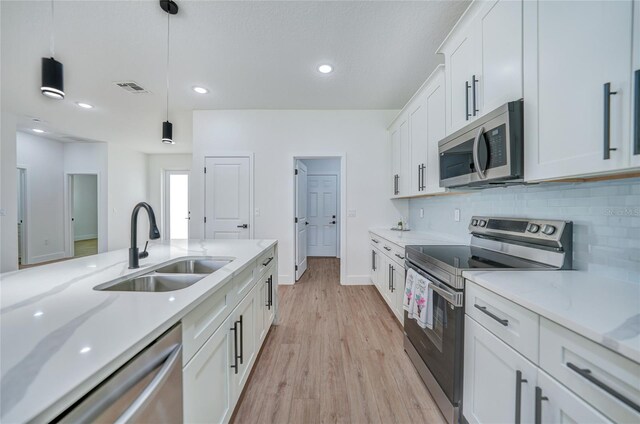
(134, 256)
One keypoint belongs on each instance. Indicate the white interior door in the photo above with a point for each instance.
(176, 205)
(227, 197)
(322, 230)
(301, 219)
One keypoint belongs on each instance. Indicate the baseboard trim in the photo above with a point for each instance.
(357, 280)
(86, 237)
(285, 280)
(46, 258)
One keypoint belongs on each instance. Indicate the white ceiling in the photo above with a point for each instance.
(250, 55)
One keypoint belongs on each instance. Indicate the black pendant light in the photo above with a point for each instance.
(171, 8)
(52, 71)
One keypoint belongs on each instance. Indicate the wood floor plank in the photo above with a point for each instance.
(336, 357)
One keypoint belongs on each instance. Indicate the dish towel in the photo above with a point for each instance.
(408, 290)
(421, 302)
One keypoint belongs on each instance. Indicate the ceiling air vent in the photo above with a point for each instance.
(131, 87)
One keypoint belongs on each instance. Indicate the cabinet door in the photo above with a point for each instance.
(499, 26)
(373, 271)
(207, 379)
(460, 67)
(397, 291)
(244, 316)
(395, 160)
(494, 374)
(436, 130)
(557, 404)
(262, 299)
(418, 139)
(385, 280)
(635, 137)
(571, 50)
(405, 152)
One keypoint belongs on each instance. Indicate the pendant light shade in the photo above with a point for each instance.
(52, 78)
(167, 132)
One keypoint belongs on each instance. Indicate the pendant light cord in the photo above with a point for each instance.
(168, 38)
(51, 41)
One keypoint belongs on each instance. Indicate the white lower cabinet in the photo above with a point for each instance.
(207, 379)
(397, 290)
(557, 404)
(265, 304)
(499, 383)
(387, 272)
(244, 320)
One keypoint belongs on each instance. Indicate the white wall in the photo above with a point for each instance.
(276, 137)
(91, 158)
(8, 194)
(327, 167)
(85, 207)
(127, 176)
(43, 160)
(156, 166)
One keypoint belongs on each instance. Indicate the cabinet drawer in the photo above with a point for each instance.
(606, 380)
(243, 282)
(263, 262)
(199, 324)
(375, 240)
(397, 253)
(513, 324)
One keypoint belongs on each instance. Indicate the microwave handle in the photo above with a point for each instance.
(476, 154)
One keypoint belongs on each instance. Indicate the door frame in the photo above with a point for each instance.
(342, 214)
(249, 155)
(166, 199)
(69, 246)
(23, 193)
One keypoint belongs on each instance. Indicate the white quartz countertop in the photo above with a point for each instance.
(404, 238)
(59, 337)
(604, 310)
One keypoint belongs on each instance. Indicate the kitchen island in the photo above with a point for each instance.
(59, 337)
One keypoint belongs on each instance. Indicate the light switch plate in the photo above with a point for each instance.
(421, 212)
(3, 212)
(456, 215)
(257, 212)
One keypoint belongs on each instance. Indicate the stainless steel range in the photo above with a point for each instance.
(496, 244)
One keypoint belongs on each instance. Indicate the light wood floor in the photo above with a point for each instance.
(336, 356)
(85, 247)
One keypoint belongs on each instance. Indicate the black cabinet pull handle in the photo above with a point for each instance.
(539, 399)
(375, 241)
(519, 381)
(235, 347)
(373, 260)
(399, 256)
(388, 249)
(467, 87)
(483, 309)
(267, 262)
(390, 277)
(419, 177)
(607, 120)
(270, 294)
(241, 341)
(636, 113)
(424, 185)
(586, 374)
(393, 269)
(268, 300)
(475, 106)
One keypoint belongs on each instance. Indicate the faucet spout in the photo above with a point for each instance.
(154, 233)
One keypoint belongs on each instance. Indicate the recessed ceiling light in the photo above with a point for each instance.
(325, 69)
(37, 130)
(200, 90)
(84, 105)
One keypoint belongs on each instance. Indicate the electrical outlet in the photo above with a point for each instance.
(3, 212)
(421, 212)
(456, 215)
(46, 242)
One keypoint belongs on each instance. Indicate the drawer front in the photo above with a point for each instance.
(375, 240)
(264, 261)
(199, 324)
(516, 326)
(397, 253)
(597, 374)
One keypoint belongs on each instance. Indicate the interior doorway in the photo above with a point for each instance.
(176, 205)
(318, 216)
(22, 217)
(83, 204)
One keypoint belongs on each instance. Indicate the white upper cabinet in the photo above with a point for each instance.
(435, 105)
(418, 136)
(400, 153)
(635, 150)
(577, 87)
(483, 60)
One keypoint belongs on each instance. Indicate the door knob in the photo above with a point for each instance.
(243, 226)
(306, 223)
(332, 222)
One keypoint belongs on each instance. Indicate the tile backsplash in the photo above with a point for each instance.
(605, 215)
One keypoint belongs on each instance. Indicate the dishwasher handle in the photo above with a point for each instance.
(147, 394)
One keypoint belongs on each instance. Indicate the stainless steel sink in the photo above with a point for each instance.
(154, 283)
(193, 266)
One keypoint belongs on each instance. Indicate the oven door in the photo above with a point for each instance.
(441, 348)
(486, 151)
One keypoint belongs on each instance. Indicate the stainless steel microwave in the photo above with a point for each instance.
(489, 151)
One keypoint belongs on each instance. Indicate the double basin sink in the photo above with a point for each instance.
(175, 276)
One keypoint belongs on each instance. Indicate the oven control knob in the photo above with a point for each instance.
(474, 222)
(482, 223)
(548, 229)
(533, 228)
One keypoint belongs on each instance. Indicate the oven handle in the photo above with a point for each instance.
(452, 297)
(476, 159)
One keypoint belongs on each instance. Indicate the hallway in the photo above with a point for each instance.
(336, 356)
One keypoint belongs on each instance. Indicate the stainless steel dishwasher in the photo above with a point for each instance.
(147, 389)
